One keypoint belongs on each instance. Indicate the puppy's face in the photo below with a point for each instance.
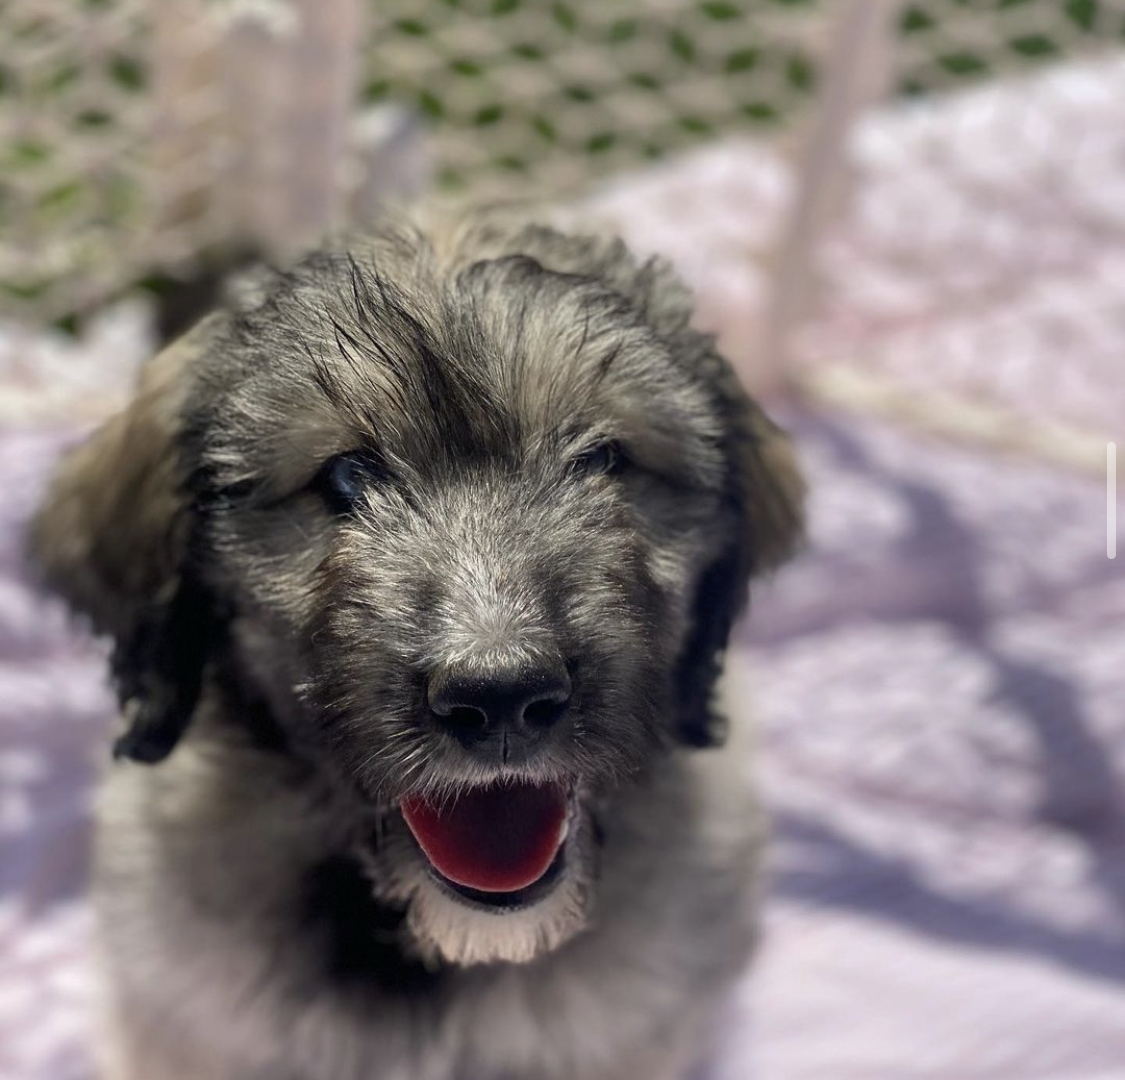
(465, 516)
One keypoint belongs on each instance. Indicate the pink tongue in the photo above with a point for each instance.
(494, 839)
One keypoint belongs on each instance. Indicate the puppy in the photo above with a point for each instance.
(419, 567)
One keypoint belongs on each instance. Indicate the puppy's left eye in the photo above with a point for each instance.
(605, 459)
(343, 479)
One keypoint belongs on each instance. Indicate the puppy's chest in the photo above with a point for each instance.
(489, 1022)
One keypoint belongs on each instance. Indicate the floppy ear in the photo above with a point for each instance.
(765, 518)
(112, 538)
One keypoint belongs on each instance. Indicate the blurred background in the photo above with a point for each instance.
(904, 220)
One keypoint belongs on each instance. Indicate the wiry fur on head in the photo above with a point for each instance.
(472, 366)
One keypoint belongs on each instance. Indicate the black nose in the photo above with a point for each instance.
(474, 701)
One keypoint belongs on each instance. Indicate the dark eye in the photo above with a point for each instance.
(343, 480)
(601, 460)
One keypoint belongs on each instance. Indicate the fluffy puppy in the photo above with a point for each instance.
(419, 567)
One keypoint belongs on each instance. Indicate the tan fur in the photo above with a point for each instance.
(110, 536)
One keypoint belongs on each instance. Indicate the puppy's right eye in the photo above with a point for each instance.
(343, 479)
(604, 459)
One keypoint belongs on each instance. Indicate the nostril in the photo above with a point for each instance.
(474, 703)
(543, 713)
(466, 718)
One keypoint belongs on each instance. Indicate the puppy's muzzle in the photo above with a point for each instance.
(498, 841)
(501, 710)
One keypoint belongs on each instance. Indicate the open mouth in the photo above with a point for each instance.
(495, 845)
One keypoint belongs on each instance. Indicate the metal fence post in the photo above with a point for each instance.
(254, 105)
(857, 71)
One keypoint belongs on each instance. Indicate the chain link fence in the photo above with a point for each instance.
(124, 124)
(888, 201)
(972, 279)
(73, 102)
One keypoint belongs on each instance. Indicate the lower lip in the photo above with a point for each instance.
(506, 903)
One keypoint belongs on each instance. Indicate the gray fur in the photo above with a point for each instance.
(264, 911)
